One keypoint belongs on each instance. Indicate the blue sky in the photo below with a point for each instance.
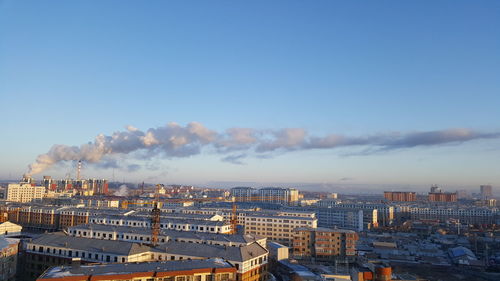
(70, 70)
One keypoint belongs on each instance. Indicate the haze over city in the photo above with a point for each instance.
(317, 95)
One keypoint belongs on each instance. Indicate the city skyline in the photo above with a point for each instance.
(330, 93)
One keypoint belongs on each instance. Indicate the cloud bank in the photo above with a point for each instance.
(234, 144)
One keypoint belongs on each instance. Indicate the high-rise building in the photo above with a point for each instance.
(287, 196)
(243, 194)
(443, 197)
(24, 192)
(280, 195)
(98, 186)
(400, 196)
(486, 192)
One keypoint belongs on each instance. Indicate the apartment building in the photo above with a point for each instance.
(244, 194)
(400, 196)
(59, 249)
(346, 218)
(10, 228)
(59, 218)
(278, 195)
(466, 215)
(486, 191)
(276, 227)
(324, 243)
(165, 223)
(250, 260)
(8, 258)
(143, 235)
(442, 196)
(195, 270)
(385, 213)
(24, 192)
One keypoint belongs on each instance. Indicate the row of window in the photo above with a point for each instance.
(77, 254)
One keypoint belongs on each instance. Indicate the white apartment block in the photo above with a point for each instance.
(176, 224)
(24, 193)
(472, 215)
(278, 195)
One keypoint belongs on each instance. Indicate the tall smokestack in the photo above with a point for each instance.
(78, 170)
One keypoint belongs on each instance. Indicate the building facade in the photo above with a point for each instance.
(442, 197)
(194, 270)
(400, 196)
(324, 243)
(486, 192)
(8, 258)
(276, 227)
(277, 195)
(24, 192)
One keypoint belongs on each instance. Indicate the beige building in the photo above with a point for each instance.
(8, 228)
(24, 192)
(276, 227)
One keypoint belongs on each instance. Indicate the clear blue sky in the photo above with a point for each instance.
(70, 70)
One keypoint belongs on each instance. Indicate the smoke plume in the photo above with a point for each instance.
(122, 191)
(174, 140)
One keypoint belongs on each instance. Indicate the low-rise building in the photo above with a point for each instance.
(8, 258)
(51, 249)
(165, 223)
(143, 235)
(10, 228)
(196, 270)
(59, 249)
(324, 243)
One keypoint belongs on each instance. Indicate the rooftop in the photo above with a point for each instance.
(238, 254)
(60, 240)
(128, 268)
(173, 234)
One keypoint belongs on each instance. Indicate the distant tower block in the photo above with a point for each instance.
(486, 192)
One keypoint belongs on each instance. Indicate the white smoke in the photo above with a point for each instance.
(174, 140)
(122, 191)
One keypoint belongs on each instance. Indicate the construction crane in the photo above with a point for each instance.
(234, 218)
(155, 212)
(155, 218)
